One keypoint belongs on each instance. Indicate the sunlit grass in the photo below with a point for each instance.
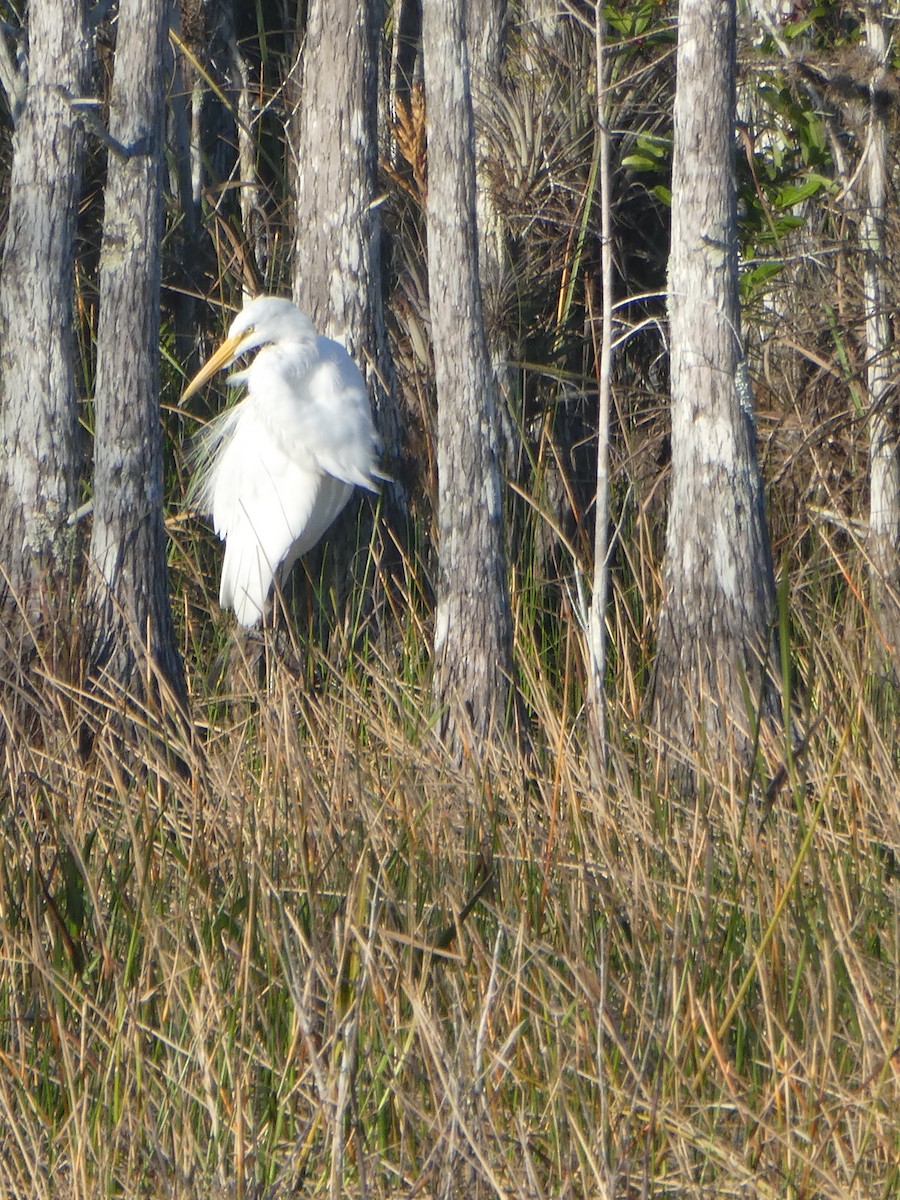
(258, 978)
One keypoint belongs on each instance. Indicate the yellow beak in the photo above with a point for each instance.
(225, 354)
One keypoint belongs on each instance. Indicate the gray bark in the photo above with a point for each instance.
(252, 217)
(486, 25)
(596, 649)
(472, 625)
(129, 601)
(485, 21)
(541, 17)
(714, 629)
(38, 421)
(884, 462)
(337, 249)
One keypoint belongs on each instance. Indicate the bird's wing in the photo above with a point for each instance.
(267, 508)
(331, 499)
(329, 418)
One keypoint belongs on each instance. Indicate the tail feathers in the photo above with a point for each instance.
(246, 581)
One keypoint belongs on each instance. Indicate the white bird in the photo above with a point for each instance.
(276, 469)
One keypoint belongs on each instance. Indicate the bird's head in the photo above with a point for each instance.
(267, 320)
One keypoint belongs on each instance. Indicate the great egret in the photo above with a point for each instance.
(275, 470)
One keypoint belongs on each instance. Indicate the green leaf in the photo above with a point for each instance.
(815, 131)
(760, 272)
(753, 279)
(797, 27)
(787, 223)
(640, 162)
(653, 145)
(793, 193)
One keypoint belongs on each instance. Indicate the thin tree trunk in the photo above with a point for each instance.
(884, 463)
(715, 626)
(596, 706)
(252, 219)
(190, 246)
(38, 419)
(473, 628)
(337, 249)
(129, 602)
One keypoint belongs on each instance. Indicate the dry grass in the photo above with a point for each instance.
(334, 962)
(264, 981)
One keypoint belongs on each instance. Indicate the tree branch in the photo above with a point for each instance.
(85, 109)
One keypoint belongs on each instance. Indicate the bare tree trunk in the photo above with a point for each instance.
(473, 629)
(884, 463)
(38, 420)
(131, 619)
(596, 691)
(189, 247)
(334, 142)
(252, 220)
(485, 25)
(715, 625)
(541, 18)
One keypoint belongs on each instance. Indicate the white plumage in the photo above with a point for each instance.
(276, 469)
